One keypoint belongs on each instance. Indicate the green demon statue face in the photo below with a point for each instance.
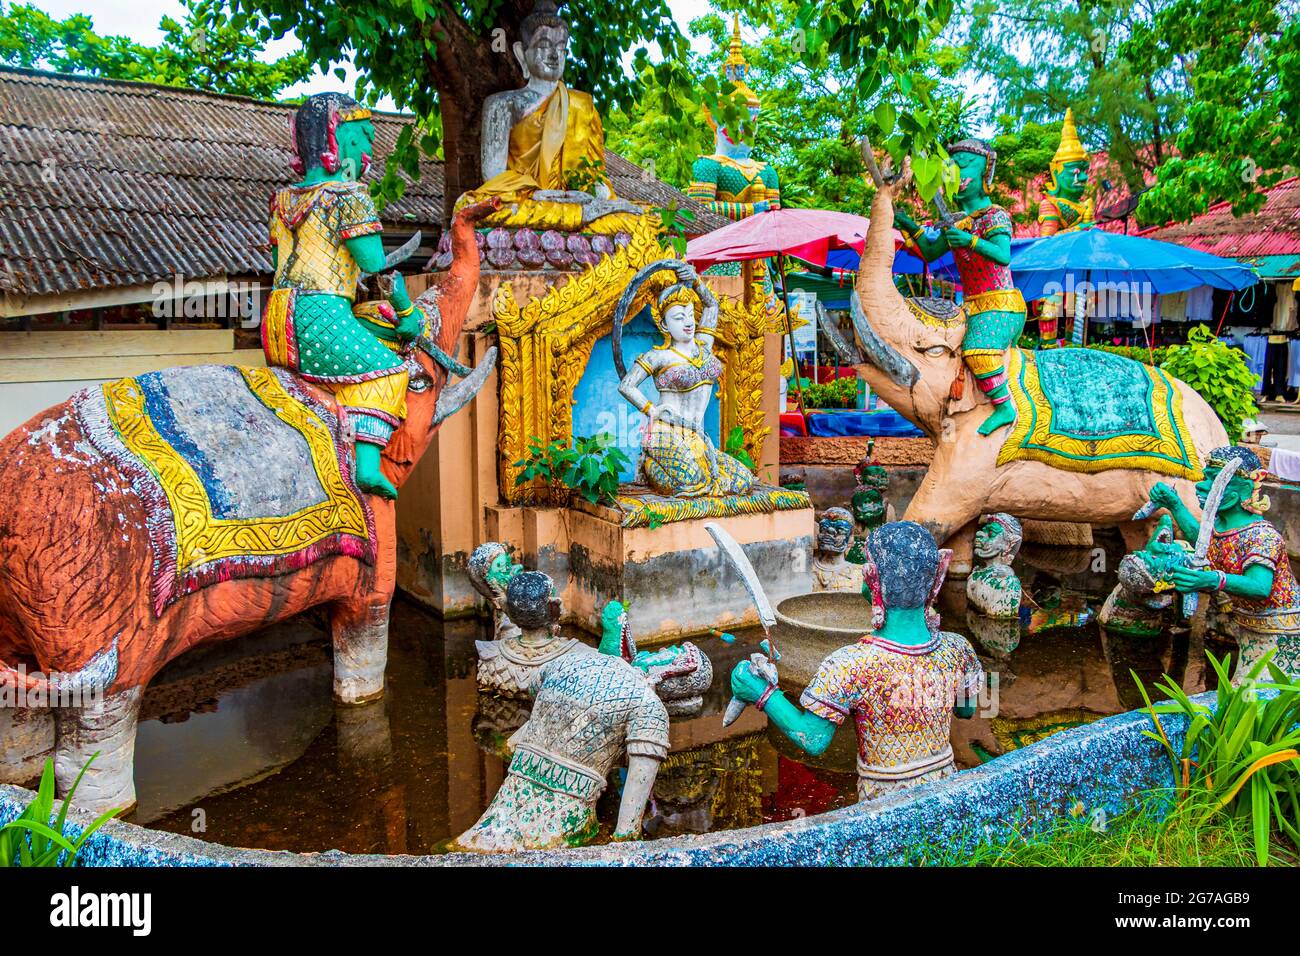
(1071, 181)
(868, 507)
(1147, 571)
(502, 569)
(971, 169)
(356, 142)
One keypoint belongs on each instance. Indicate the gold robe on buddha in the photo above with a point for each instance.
(559, 145)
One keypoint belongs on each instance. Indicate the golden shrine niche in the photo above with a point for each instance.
(545, 346)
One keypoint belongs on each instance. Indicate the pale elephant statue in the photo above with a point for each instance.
(147, 516)
(914, 363)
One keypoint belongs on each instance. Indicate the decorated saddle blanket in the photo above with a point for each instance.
(1087, 410)
(243, 473)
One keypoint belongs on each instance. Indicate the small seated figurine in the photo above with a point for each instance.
(1144, 592)
(993, 588)
(831, 570)
(868, 503)
(509, 665)
(490, 570)
(677, 457)
(680, 673)
(590, 709)
(1248, 561)
(543, 146)
(900, 684)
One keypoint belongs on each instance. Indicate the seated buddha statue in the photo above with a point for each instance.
(730, 181)
(678, 459)
(543, 146)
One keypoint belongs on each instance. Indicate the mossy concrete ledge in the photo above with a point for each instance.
(1108, 764)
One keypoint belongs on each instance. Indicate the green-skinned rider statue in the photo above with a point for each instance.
(980, 241)
(325, 232)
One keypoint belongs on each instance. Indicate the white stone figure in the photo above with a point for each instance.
(831, 569)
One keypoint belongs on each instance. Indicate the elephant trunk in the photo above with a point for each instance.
(877, 307)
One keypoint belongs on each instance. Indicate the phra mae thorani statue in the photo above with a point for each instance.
(543, 146)
(978, 234)
(508, 666)
(730, 181)
(993, 588)
(677, 457)
(900, 684)
(1248, 565)
(1063, 208)
(831, 570)
(591, 708)
(490, 569)
(325, 232)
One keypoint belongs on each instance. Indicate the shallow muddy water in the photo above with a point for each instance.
(242, 745)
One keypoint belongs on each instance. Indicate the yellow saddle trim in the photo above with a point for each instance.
(200, 537)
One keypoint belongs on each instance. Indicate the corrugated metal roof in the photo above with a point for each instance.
(107, 183)
(1272, 231)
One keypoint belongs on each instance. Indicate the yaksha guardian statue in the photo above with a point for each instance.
(1249, 567)
(730, 181)
(543, 146)
(831, 569)
(325, 232)
(900, 684)
(979, 236)
(1063, 208)
(993, 588)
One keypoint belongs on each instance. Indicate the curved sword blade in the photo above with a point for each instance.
(736, 555)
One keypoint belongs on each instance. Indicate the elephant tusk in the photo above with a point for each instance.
(455, 397)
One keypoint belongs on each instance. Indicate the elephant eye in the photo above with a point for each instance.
(937, 350)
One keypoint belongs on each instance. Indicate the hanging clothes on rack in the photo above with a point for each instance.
(1200, 304)
(1255, 345)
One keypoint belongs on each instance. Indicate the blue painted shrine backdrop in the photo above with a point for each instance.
(598, 407)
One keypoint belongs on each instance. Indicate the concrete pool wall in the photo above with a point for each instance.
(1104, 765)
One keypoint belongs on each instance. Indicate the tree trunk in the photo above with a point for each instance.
(469, 67)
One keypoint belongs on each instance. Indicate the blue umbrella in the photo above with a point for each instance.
(1106, 258)
(905, 263)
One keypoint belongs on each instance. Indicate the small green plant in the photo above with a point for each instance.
(1239, 758)
(31, 841)
(735, 447)
(590, 467)
(1219, 373)
(674, 221)
(837, 393)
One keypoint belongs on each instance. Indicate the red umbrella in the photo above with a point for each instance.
(807, 234)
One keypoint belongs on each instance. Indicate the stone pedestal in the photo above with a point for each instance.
(672, 578)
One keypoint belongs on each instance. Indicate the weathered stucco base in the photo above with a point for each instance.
(671, 578)
(1107, 765)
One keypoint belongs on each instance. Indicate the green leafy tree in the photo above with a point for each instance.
(1242, 62)
(1043, 56)
(1219, 373)
(441, 60)
(812, 114)
(207, 50)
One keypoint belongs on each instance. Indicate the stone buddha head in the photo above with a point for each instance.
(904, 570)
(544, 43)
(975, 161)
(998, 539)
(332, 132)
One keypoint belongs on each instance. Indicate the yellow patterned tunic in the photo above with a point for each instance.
(901, 698)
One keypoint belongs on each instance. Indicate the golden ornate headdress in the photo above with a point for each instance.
(735, 68)
(676, 294)
(1070, 150)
